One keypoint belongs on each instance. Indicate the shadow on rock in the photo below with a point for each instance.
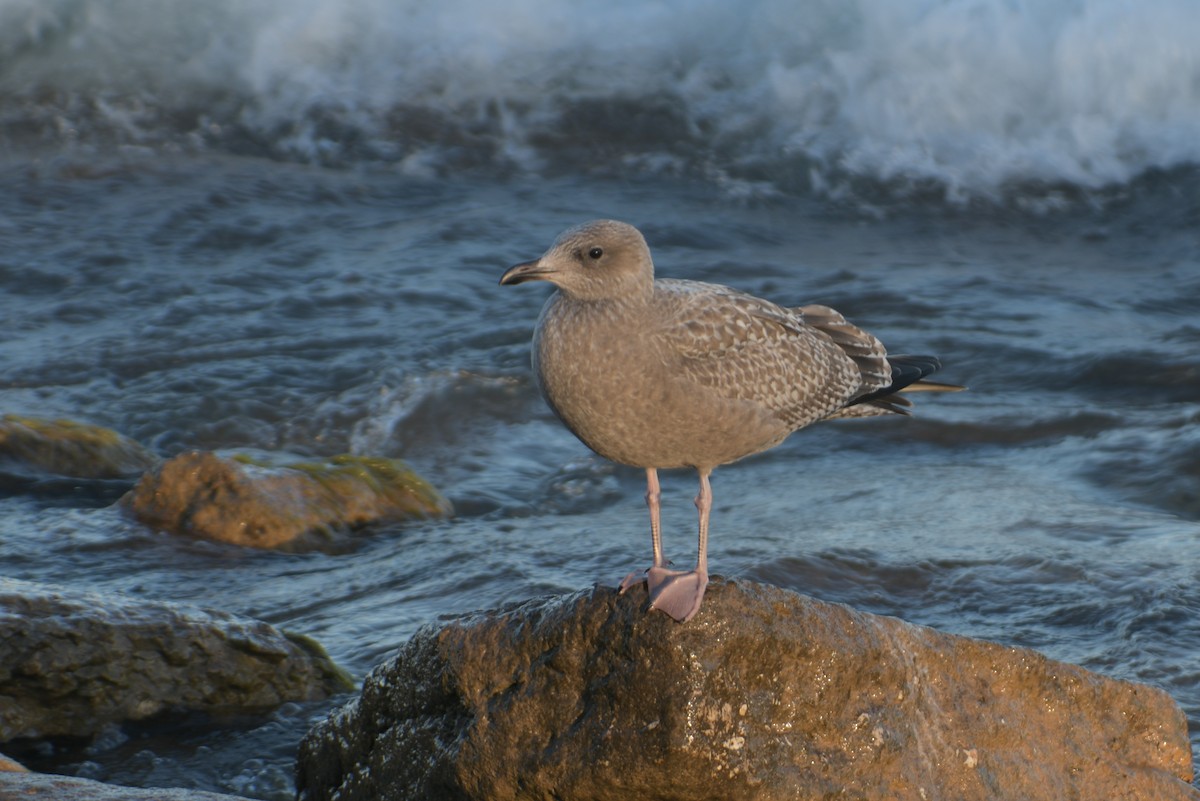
(73, 662)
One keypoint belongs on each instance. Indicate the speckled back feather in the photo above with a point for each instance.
(748, 348)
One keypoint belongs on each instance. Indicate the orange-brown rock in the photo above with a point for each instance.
(269, 502)
(764, 695)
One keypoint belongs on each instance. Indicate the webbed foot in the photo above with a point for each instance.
(632, 580)
(677, 592)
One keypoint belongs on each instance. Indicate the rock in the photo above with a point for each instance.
(266, 502)
(764, 695)
(33, 447)
(74, 661)
(11, 765)
(44, 787)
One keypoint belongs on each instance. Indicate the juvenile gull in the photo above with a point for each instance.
(670, 373)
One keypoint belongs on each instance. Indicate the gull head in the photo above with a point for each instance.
(598, 260)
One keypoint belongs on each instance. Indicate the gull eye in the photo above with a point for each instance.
(595, 253)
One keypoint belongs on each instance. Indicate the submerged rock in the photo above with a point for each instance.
(266, 502)
(44, 787)
(8, 765)
(764, 695)
(72, 662)
(31, 446)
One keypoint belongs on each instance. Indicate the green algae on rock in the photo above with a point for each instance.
(266, 500)
(39, 446)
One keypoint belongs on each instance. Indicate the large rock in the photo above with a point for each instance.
(45, 787)
(764, 695)
(267, 501)
(72, 662)
(36, 447)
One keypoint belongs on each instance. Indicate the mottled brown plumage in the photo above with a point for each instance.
(670, 373)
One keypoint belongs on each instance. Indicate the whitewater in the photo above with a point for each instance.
(986, 99)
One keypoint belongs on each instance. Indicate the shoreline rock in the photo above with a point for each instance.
(270, 501)
(765, 695)
(48, 787)
(74, 661)
(33, 447)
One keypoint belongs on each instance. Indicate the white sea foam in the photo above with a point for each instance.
(968, 95)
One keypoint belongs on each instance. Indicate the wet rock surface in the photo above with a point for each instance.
(72, 662)
(268, 501)
(45, 787)
(33, 447)
(764, 695)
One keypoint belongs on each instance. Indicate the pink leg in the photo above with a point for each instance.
(653, 496)
(677, 592)
(704, 507)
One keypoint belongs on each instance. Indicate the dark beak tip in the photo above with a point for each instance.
(520, 273)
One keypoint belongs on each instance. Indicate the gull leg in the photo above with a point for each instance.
(678, 592)
(653, 494)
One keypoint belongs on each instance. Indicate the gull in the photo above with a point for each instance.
(667, 373)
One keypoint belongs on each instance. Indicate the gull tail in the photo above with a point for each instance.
(908, 375)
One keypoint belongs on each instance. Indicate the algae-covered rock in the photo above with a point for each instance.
(72, 662)
(764, 695)
(266, 501)
(31, 446)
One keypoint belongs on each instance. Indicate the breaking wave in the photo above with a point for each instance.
(963, 100)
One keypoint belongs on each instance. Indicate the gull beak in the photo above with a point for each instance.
(525, 271)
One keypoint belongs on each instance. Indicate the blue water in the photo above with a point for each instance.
(280, 226)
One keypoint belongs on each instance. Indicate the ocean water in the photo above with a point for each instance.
(280, 225)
